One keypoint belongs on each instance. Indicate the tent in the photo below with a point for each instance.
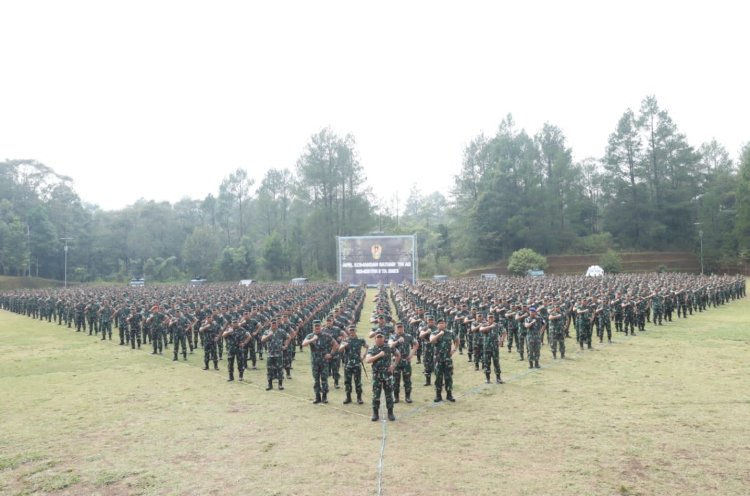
(594, 271)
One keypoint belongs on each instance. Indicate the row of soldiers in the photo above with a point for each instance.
(238, 320)
(486, 316)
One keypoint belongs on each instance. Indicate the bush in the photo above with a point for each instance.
(524, 260)
(611, 262)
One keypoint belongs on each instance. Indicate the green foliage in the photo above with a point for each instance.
(525, 259)
(611, 262)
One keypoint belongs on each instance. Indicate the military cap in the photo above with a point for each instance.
(379, 334)
(316, 322)
(440, 320)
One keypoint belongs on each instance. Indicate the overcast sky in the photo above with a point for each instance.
(162, 100)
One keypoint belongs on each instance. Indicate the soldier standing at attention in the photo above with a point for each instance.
(407, 347)
(353, 350)
(381, 356)
(235, 336)
(178, 324)
(445, 344)
(322, 347)
(277, 341)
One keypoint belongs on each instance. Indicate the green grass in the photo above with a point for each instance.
(665, 412)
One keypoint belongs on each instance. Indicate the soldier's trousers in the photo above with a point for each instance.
(478, 351)
(236, 354)
(491, 356)
(179, 339)
(402, 372)
(534, 345)
(274, 368)
(428, 360)
(601, 326)
(320, 375)
(520, 343)
(209, 351)
(124, 337)
(333, 368)
(92, 326)
(80, 322)
(249, 353)
(629, 323)
(513, 337)
(352, 372)
(382, 382)
(461, 340)
(135, 337)
(444, 376)
(157, 340)
(557, 342)
(470, 344)
(106, 330)
(584, 335)
(288, 359)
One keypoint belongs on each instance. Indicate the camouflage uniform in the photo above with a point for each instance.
(382, 378)
(443, 364)
(319, 350)
(275, 339)
(534, 338)
(353, 368)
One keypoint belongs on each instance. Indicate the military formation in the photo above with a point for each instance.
(425, 324)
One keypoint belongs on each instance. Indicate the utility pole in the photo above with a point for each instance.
(66, 259)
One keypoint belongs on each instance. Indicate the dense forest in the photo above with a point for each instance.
(651, 189)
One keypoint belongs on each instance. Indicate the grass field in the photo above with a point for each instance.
(664, 412)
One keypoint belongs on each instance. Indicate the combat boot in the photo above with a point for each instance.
(536, 364)
(270, 386)
(498, 380)
(348, 398)
(554, 355)
(531, 364)
(317, 399)
(428, 380)
(216, 365)
(450, 397)
(231, 376)
(335, 384)
(359, 399)
(438, 397)
(281, 384)
(487, 376)
(206, 366)
(391, 417)
(521, 360)
(562, 355)
(408, 397)
(325, 397)
(395, 398)
(375, 416)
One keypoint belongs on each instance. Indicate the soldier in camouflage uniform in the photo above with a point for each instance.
(322, 347)
(407, 346)
(445, 344)
(334, 363)
(493, 336)
(534, 325)
(557, 331)
(236, 340)
(209, 330)
(277, 341)
(382, 357)
(179, 324)
(428, 356)
(105, 320)
(352, 350)
(134, 321)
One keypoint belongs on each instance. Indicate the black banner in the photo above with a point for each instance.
(377, 260)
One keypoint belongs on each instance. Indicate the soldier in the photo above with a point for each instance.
(322, 347)
(134, 320)
(105, 320)
(334, 363)
(236, 341)
(209, 330)
(493, 340)
(407, 347)
(445, 344)
(557, 331)
(477, 339)
(353, 350)
(277, 341)
(178, 325)
(428, 357)
(534, 325)
(382, 357)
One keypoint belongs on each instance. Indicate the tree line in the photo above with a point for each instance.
(651, 189)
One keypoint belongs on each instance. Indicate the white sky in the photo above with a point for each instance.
(162, 100)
